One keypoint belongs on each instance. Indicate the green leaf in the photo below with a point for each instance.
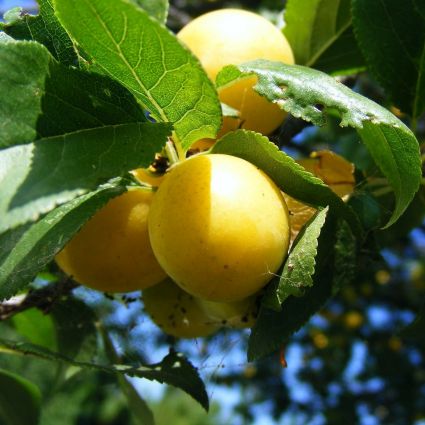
(126, 44)
(46, 29)
(36, 177)
(291, 177)
(174, 369)
(4, 38)
(76, 99)
(319, 32)
(395, 152)
(24, 253)
(345, 257)
(37, 327)
(310, 94)
(342, 57)
(139, 408)
(12, 15)
(157, 9)
(76, 338)
(19, 400)
(66, 100)
(391, 35)
(273, 329)
(298, 271)
(28, 64)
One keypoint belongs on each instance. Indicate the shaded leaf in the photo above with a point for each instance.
(309, 94)
(36, 177)
(37, 327)
(76, 338)
(76, 100)
(138, 406)
(342, 57)
(391, 35)
(26, 252)
(46, 29)
(19, 400)
(165, 77)
(28, 64)
(320, 34)
(291, 177)
(273, 329)
(345, 257)
(174, 369)
(157, 9)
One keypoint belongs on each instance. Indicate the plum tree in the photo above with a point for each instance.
(176, 312)
(233, 36)
(219, 227)
(112, 251)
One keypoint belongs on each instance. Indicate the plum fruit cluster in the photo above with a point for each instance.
(204, 239)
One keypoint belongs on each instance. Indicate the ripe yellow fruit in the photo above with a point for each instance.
(176, 312)
(234, 36)
(144, 175)
(219, 227)
(237, 314)
(112, 251)
(335, 171)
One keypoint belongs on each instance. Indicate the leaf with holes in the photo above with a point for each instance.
(300, 91)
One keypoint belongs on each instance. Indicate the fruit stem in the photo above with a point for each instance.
(171, 152)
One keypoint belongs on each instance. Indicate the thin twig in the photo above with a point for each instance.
(43, 298)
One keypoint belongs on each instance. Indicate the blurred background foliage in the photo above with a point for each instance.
(356, 362)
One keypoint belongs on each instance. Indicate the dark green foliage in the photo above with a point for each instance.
(391, 36)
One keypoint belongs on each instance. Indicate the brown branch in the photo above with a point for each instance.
(43, 299)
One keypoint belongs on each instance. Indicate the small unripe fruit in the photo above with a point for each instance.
(112, 251)
(234, 36)
(176, 312)
(219, 227)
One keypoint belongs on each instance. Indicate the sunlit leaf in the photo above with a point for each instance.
(310, 94)
(36, 177)
(165, 77)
